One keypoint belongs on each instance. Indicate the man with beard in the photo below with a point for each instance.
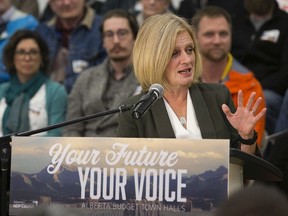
(213, 26)
(104, 87)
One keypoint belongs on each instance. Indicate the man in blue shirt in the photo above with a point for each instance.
(73, 38)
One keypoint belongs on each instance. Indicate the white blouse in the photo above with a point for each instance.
(193, 130)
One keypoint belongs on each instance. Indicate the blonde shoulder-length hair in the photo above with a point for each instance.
(154, 46)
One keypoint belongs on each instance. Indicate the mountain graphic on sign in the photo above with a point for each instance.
(64, 187)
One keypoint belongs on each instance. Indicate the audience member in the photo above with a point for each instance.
(283, 4)
(96, 5)
(235, 8)
(73, 38)
(152, 7)
(214, 28)
(28, 6)
(37, 8)
(260, 42)
(282, 120)
(188, 8)
(11, 20)
(166, 52)
(30, 100)
(128, 5)
(105, 86)
(46, 12)
(256, 200)
(175, 4)
(42, 4)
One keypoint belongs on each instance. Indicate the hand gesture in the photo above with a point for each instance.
(245, 118)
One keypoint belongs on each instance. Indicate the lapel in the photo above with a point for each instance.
(162, 121)
(202, 113)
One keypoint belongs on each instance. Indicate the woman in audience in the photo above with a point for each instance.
(30, 100)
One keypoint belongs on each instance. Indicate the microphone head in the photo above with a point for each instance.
(156, 91)
(158, 88)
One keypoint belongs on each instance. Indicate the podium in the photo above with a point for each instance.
(244, 167)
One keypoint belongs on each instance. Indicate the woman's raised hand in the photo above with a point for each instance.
(245, 117)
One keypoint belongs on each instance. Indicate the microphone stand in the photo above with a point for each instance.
(122, 108)
(5, 149)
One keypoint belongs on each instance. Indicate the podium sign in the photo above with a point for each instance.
(119, 176)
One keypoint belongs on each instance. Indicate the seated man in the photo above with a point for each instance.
(105, 86)
(213, 26)
(74, 40)
(260, 42)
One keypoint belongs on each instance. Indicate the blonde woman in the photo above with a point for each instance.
(166, 52)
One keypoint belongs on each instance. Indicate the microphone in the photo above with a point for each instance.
(155, 92)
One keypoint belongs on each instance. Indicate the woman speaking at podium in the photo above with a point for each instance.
(166, 52)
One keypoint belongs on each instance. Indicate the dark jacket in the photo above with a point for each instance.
(118, 4)
(207, 101)
(261, 52)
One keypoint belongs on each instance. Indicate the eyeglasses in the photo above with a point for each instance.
(121, 34)
(33, 53)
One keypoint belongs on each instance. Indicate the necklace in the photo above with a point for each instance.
(183, 121)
